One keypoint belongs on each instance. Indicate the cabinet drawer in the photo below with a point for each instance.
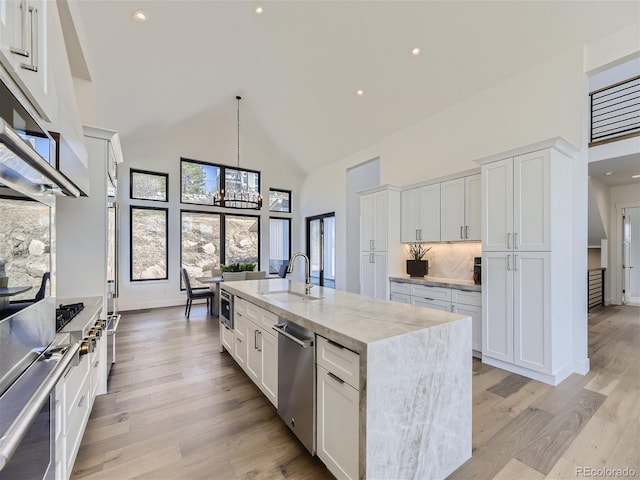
(267, 320)
(432, 293)
(340, 361)
(77, 421)
(466, 298)
(435, 304)
(400, 297)
(240, 305)
(73, 383)
(253, 312)
(404, 288)
(228, 338)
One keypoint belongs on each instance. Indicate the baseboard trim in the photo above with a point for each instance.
(582, 367)
(155, 304)
(550, 379)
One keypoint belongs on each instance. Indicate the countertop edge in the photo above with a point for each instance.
(444, 283)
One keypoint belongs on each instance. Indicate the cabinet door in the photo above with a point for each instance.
(430, 213)
(476, 322)
(380, 278)
(380, 212)
(452, 210)
(338, 420)
(27, 31)
(269, 377)
(410, 215)
(227, 337)
(366, 222)
(532, 310)
(254, 354)
(532, 200)
(472, 207)
(497, 206)
(401, 298)
(240, 345)
(497, 305)
(366, 274)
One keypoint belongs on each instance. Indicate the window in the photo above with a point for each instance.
(200, 250)
(279, 200)
(199, 182)
(279, 243)
(149, 185)
(26, 243)
(203, 182)
(241, 239)
(149, 239)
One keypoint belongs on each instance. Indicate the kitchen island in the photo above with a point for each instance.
(414, 380)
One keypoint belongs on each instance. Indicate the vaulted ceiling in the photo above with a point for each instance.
(298, 64)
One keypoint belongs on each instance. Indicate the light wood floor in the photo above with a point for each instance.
(179, 409)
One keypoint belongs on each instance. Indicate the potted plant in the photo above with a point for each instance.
(231, 272)
(416, 266)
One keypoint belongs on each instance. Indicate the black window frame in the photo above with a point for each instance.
(166, 214)
(206, 212)
(282, 190)
(290, 223)
(222, 169)
(132, 171)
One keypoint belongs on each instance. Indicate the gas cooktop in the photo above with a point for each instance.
(66, 313)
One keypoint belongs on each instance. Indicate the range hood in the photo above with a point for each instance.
(23, 142)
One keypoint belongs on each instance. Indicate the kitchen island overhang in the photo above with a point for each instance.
(415, 374)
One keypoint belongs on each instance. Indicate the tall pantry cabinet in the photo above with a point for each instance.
(380, 255)
(526, 261)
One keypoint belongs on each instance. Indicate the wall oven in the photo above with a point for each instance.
(226, 308)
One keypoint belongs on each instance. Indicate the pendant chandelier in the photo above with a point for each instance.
(235, 191)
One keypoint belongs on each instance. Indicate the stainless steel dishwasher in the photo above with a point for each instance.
(297, 381)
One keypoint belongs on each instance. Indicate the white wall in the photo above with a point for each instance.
(626, 195)
(210, 137)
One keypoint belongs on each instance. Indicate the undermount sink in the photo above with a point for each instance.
(288, 296)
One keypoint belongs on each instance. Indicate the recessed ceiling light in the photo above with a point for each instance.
(415, 52)
(360, 93)
(608, 174)
(141, 15)
(259, 10)
(635, 176)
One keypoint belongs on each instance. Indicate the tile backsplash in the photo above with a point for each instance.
(452, 260)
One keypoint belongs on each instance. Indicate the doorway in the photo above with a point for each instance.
(321, 249)
(631, 255)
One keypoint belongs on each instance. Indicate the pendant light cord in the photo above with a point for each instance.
(238, 98)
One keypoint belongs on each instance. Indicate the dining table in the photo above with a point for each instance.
(7, 292)
(214, 286)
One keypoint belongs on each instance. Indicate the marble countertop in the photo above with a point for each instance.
(466, 285)
(350, 319)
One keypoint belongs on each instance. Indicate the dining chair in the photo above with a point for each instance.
(208, 295)
(19, 304)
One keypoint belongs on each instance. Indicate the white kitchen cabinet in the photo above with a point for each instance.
(240, 350)
(527, 261)
(255, 346)
(460, 209)
(380, 252)
(373, 274)
(338, 412)
(269, 373)
(516, 202)
(517, 317)
(475, 312)
(228, 337)
(24, 43)
(401, 298)
(421, 212)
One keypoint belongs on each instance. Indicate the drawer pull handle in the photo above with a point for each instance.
(335, 344)
(335, 377)
(81, 402)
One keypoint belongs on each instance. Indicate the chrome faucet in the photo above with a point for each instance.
(307, 270)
